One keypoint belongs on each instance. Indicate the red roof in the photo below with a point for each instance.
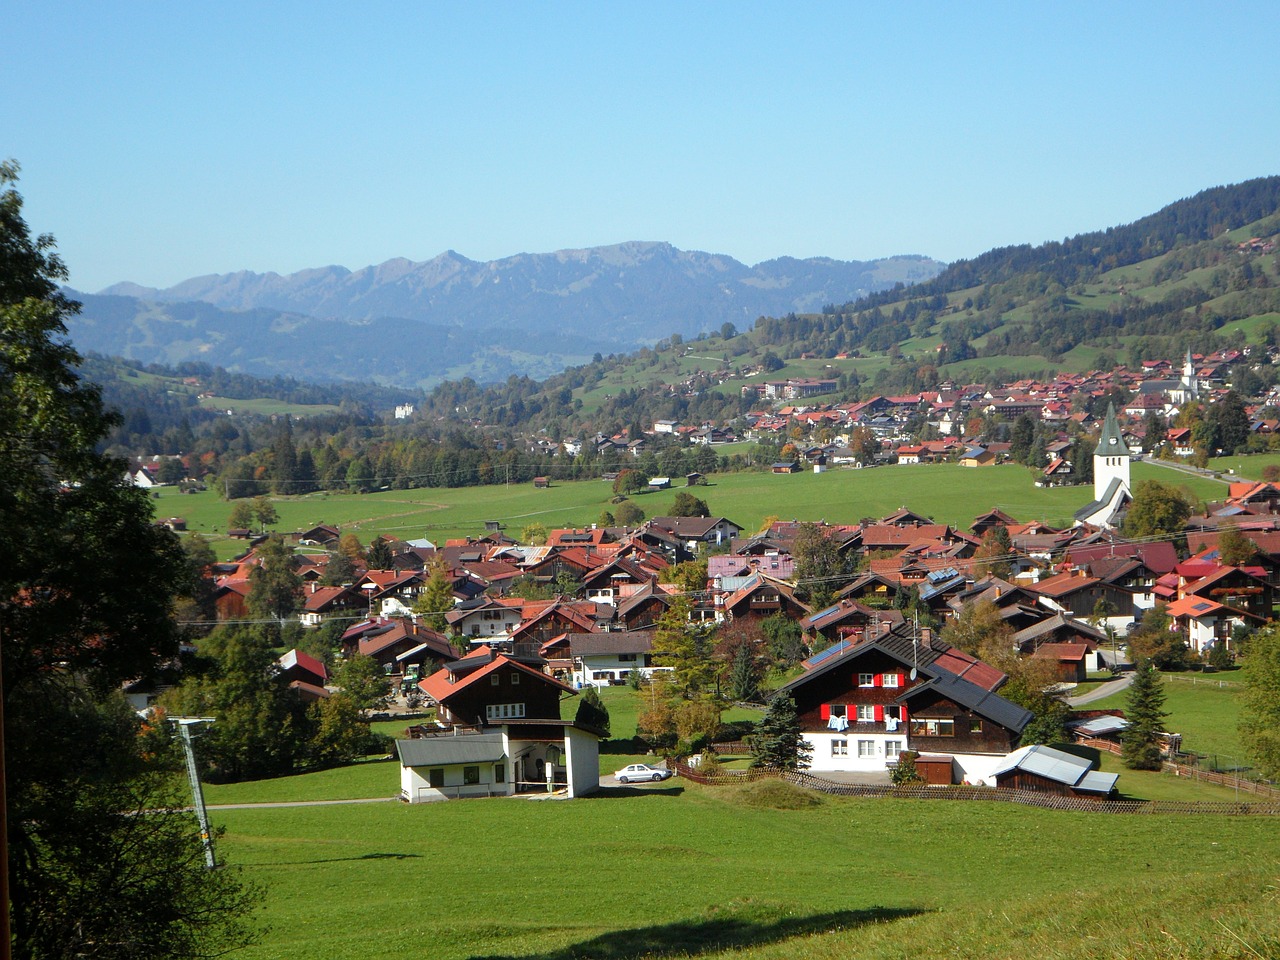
(440, 688)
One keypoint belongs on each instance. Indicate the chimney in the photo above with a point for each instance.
(926, 636)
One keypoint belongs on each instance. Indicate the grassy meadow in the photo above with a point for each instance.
(758, 871)
(947, 492)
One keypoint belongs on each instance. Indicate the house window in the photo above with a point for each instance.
(626, 658)
(494, 680)
(504, 711)
(866, 679)
(839, 748)
(892, 748)
(890, 679)
(435, 777)
(499, 773)
(515, 679)
(470, 776)
(866, 748)
(933, 728)
(866, 713)
(839, 710)
(975, 726)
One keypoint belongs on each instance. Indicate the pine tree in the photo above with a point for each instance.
(1146, 716)
(285, 460)
(743, 682)
(778, 743)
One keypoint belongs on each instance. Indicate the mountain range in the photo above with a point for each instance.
(415, 323)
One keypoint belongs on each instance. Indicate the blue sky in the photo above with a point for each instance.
(161, 141)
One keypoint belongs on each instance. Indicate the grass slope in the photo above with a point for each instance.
(689, 871)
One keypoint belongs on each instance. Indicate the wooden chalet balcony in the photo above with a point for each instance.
(765, 603)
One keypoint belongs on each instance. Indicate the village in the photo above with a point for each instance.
(874, 676)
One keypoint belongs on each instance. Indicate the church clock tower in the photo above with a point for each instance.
(1110, 458)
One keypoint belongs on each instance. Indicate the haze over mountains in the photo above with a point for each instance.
(409, 323)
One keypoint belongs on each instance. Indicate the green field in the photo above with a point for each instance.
(691, 871)
(947, 492)
(1204, 708)
(266, 407)
(756, 871)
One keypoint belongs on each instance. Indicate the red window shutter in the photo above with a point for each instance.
(902, 680)
(879, 713)
(902, 714)
(879, 680)
(826, 711)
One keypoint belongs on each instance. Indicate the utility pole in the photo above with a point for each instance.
(184, 725)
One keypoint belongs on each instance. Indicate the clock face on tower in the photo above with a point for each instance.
(1113, 441)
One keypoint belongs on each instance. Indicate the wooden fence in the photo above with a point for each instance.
(1195, 773)
(990, 794)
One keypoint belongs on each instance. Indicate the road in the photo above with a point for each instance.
(1105, 690)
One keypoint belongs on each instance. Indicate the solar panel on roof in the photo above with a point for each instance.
(1201, 607)
(828, 653)
(829, 610)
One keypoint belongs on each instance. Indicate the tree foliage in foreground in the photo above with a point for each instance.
(1260, 719)
(86, 594)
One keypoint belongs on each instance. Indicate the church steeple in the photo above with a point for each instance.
(1111, 441)
(1110, 457)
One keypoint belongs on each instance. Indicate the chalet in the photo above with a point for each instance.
(861, 705)
(1205, 621)
(401, 647)
(613, 581)
(500, 734)
(324, 601)
(695, 530)
(484, 618)
(601, 659)
(644, 607)
(978, 457)
(785, 466)
(760, 598)
(305, 675)
(321, 535)
(849, 620)
(1069, 660)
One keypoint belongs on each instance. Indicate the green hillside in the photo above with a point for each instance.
(1182, 277)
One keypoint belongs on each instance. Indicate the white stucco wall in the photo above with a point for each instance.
(416, 787)
(977, 768)
(822, 758)
(582, 761)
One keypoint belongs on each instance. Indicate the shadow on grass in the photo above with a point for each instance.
(716, 934)
(630, 746)
(613, 793)
(365, 856)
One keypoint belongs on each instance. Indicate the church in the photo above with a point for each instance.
(1112, 492)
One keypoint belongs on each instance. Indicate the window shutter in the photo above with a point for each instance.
(902, 715)
(826, 711)
(902, 680)
(879, 680)
(879, 713)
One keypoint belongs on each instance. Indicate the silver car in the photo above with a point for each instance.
(641, 771)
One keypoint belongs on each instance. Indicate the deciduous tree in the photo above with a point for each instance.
(1260, 716)
(1158, 511)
